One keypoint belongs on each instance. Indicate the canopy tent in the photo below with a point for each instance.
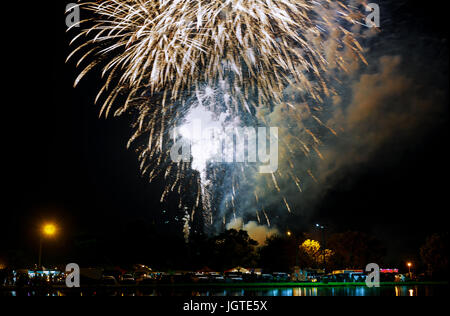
(238, 269)
(205, 270)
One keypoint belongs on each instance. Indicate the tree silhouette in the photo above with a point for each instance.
(232, 248)
(279, 253)
(355, 250)
(434, 254)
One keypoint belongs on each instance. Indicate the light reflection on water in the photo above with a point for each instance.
(252, 292)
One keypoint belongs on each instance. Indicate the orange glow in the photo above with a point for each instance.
(49, 230)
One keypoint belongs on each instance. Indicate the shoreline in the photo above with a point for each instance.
(220, 285)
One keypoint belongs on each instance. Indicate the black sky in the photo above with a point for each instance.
(64, 163)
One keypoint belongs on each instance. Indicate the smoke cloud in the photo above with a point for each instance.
(389, 110)
(373, 116)
(378, 114)
(256, 232)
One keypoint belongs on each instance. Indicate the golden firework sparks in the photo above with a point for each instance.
(155, 55)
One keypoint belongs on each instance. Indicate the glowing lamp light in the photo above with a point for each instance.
(49, 230)
(409, 264)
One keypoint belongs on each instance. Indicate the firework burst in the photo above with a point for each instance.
(160, 58)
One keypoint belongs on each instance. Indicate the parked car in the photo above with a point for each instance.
(109, 280)
(200, 277)
(281, 276)
(267, 277)
(216, 277)
(127, 279)
(250, 277)
(140, 276)
(234, 277)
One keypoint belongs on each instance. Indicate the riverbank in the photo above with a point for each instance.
(226, 285)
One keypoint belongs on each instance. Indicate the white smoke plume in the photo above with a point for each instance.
(256, 232)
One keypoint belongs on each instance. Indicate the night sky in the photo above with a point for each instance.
(65, 164)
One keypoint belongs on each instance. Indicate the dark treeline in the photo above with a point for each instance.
(165, 250)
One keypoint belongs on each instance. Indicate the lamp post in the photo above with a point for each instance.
(48, 230)
(409, 264)
(289, 234)
(324, 243)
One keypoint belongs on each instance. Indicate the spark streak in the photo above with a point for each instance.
(162, 58)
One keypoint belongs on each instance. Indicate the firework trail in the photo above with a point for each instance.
(160, 59)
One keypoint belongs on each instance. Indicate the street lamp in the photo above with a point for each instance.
(409, 264)
(324, 244)
(293, 237)
(48, 230)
